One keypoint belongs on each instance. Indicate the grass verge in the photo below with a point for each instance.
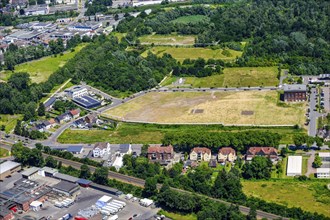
(177, 216)
(4, 152)
(153, 134)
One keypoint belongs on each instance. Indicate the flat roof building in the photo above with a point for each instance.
(87, 101)
(65, 177)
(325, 156)
(30, 172)
(66, 188)
(294, 166)
(323, 173)
(7, 168)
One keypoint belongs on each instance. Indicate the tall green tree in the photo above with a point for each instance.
(258, 168)
(100, 175)
(150, 187)
(85, 172)
(41, 109)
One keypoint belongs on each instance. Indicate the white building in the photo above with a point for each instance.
(100, 149)
(325, 156)
(37, 10)
(294, 167)
(323, 173)
(77, 92)
(118, 163)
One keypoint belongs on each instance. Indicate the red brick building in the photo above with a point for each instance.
(295, 93)
(160, 154)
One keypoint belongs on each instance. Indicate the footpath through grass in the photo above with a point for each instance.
(311, 196)
(41, 69)
(153, 134)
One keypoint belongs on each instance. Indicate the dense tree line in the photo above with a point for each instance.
(19, 96)
(107, 65)
(26, 156)
(240, 141)
(204, 207)
(290, 32)
(97, 6)
(198, 68)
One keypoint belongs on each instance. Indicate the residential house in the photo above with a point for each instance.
(75, 113)
(161, 154)
(295, 93)
(63, 118)
(52, 122)
(79, 123)
(39, 127)
(75, 149)
(91, 118)
(226, 154)
(269, 152)
(49, 103)
(101, 148)
(124, 149)
(47, 124)
(200, 154)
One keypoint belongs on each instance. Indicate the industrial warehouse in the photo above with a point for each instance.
(44, 192)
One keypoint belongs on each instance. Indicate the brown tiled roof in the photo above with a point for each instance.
(262, 150)
(75, 112)
(226, 150)
(159, 149)
(51, 121)
(201, 150)
(101, 145)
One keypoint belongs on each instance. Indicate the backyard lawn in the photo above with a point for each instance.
(41, 69)
(311, 196)
(231, 77)
(181, 53)
(4, 152)
(228, 108)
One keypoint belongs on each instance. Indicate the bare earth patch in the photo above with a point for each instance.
(218, 107)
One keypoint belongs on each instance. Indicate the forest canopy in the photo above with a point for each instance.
(294, 33)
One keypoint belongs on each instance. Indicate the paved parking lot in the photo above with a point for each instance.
(85, 199)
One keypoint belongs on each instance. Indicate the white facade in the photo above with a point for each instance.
(325, 156)
(77, 92)
(118, 163)
(100, 151)
(323, 173)
(294, 167)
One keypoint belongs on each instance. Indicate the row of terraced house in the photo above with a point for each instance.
(164, 154)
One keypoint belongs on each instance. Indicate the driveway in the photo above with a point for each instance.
(310, 168)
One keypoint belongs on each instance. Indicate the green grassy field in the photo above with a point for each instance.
(41, 69)
(153, 134)
(9, 121)
(311, 196)
(181, 53)
(4, 152)
(170, 39)
(191, 19)
(232, 77)
(177, 216)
